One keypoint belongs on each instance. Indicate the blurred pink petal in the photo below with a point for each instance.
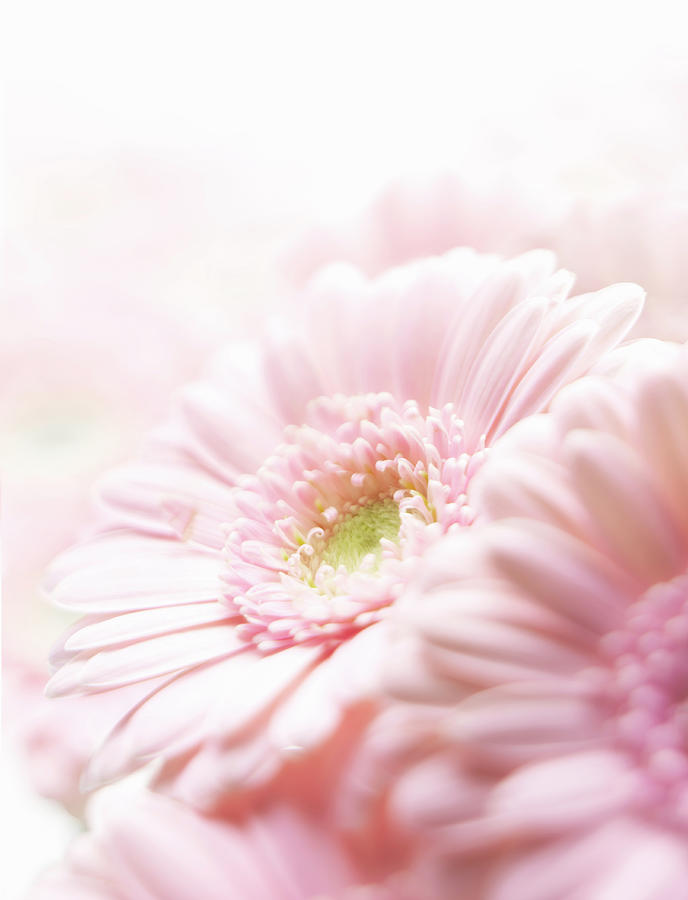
(154, 848)
(57, 738)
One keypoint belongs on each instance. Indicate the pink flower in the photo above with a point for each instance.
(423, 216)
(632, 233)
(249, 560)
(552, 643)
(150, 846)
(640, 234)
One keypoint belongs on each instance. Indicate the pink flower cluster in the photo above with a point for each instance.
(394, 606)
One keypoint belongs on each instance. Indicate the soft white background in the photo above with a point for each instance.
(311, 104)
(275, 113)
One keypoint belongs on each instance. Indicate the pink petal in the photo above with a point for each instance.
(562, 573)
(498, 367)
(139, 661)
(552, 368)
(625, 506)
(145, 623)
(156, 575)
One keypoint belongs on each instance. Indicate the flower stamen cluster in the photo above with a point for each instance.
(369, 483)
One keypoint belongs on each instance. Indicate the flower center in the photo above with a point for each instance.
(325, 531)
(357, 535)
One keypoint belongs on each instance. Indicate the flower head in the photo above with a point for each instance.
(248, 563)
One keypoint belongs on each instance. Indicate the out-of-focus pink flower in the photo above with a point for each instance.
(153, 847)
(554, 637)
(250, 558)
(634, 233)
(642, 234)
(425, 216)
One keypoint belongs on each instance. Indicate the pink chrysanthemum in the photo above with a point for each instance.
(248, 563)
(557, 633)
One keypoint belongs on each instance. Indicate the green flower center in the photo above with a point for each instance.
(358, 534)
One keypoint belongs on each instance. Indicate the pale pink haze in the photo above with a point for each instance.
(80, 383)
(552, 646)
(246, 565)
